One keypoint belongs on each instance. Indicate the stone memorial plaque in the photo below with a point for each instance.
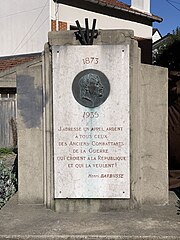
(91, 121)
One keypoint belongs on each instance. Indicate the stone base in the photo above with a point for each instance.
(36, 222)
(90, 205)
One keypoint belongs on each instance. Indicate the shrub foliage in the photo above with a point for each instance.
(8, 183)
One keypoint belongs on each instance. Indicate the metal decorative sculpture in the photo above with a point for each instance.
(85, 35)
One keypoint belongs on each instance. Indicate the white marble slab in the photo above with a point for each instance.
(91, 145)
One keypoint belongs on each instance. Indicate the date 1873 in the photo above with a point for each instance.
(90, 60)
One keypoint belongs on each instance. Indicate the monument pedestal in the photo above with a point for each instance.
(103, 125)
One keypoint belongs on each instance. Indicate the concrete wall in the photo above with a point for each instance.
(30, 135)
(8, 79)
(154, 132)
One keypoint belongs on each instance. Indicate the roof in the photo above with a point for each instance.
(161, 41)
(13, 61)
(114, 4)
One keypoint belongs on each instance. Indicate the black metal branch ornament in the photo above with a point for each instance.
(85, 35)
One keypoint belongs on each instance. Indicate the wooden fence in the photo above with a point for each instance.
(8, 132)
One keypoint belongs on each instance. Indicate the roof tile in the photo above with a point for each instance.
(124, 6)
(13, 61)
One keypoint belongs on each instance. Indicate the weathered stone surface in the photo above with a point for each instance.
(91, 144)
(154, 133)
(30, 135)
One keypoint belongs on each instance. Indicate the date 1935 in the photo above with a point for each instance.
(87, 115)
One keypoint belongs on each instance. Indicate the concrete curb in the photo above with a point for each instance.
(86, 237)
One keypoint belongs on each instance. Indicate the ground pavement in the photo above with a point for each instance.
(36, 222)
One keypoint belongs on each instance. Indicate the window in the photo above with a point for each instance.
(7, 93)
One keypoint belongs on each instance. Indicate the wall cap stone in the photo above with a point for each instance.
(114, 36)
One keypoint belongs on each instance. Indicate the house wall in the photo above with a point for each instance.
(71, 14)
(24, 25)
(141, 5)
(156, 37)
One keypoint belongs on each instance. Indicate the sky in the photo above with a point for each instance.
(169, 10)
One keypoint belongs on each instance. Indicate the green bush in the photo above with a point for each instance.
(4, 151)
(8, 183)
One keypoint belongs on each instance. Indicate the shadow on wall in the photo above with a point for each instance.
(29, 101)
(146, 50)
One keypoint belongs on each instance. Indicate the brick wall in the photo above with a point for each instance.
(61, 25)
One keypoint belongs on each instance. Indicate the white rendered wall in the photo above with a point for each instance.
(141, 5)
(71, 14)
(53, 10)
(156, 37)
(24, 26)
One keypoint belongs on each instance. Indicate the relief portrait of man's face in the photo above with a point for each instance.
(90, 87)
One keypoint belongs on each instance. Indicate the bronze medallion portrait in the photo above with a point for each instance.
(91, 88)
